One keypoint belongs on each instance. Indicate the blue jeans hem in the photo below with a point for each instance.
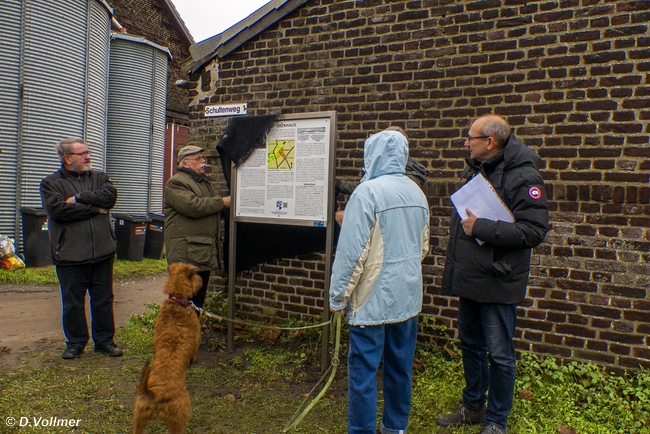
(384, 430)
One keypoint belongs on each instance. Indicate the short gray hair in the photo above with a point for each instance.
(65, 146)
(496, 127)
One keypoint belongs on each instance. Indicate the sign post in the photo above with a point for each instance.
(288, 182)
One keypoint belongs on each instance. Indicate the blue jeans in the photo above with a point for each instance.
(486, 332)
(396, 342)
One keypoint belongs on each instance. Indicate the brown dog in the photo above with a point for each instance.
(177, 334)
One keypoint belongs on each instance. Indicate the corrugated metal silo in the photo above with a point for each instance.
(136, 122)
(11, 11)
(54, 73)
(58, 79)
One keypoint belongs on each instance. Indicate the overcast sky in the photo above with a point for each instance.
(206, 18)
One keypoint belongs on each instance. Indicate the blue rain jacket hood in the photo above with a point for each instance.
(377, 272)
(385, 153)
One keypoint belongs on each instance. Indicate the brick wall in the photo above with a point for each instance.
(152, 20)
(573, 79)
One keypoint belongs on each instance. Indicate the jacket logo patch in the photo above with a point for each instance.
(535, 193)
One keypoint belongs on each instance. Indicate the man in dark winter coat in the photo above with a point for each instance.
(77, 200)
(491, 278)
(193, 215)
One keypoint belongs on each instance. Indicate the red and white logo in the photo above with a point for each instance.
(535, 192)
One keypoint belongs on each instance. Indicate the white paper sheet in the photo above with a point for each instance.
(479, 197)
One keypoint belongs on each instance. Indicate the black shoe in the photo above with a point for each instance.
(463, 416)
(493, 429)
(72, 353)
(110, 350)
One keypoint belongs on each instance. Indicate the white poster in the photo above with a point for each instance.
(288, 179)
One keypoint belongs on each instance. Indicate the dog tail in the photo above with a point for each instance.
(143, 389)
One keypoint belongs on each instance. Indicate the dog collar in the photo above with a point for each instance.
(183, 301)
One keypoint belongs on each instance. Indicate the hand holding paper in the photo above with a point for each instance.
(468, 223)
(477, 199)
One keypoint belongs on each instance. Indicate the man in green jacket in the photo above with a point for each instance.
(192, 217)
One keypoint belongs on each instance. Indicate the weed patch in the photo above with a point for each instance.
(257, 387)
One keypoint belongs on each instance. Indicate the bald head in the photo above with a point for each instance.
(487, 136)
(494, 126)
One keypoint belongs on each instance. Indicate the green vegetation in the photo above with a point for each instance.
(256, 388)
(46, 276)
(549, 398)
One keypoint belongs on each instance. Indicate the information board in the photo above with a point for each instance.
(288, 181)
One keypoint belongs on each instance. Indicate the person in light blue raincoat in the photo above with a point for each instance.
(377, 282)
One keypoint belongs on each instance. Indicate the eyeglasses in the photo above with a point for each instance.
(197, 159)
(470, 137)
(83, 154)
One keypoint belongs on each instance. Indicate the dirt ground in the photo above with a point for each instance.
(30, 323)
(30, 316)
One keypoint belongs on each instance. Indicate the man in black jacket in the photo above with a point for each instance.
(77, 200)
(491, 278)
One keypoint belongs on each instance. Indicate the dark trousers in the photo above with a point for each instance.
(486, 332)
(97, 280)
(199, 297)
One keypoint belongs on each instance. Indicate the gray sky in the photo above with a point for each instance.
(206, 18)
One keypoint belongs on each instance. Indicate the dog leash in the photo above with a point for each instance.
(307, 405)
(335, 332)
(250, 324)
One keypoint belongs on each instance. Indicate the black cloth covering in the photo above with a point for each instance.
(261, 242)
(242, 135)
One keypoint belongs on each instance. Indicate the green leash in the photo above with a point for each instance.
(307, 405)
(250, 324)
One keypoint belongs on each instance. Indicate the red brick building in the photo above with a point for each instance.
(573, 79)
(159, 22)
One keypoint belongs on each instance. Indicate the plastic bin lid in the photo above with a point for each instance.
(32, 211)
(133, 218)
(155, 216)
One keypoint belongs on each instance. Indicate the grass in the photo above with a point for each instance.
(46, 276)
(257, 388)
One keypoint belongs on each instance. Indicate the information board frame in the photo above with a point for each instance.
(327, 221)
(289, 181)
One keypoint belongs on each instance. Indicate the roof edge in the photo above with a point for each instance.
(180, 22)
(224, 43)
(141, 40)
(107, 6)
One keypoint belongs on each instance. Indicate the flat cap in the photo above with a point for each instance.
(187, 151)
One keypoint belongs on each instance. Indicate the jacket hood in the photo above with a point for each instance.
(385, 153)
(517, 154)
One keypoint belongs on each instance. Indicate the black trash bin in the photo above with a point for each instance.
(155, 239)
(130, 231)
(36, 237)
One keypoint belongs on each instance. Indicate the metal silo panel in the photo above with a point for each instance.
(10, 11)
(54, 74)
(130, 92)
(158, 132)
(97, 108)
